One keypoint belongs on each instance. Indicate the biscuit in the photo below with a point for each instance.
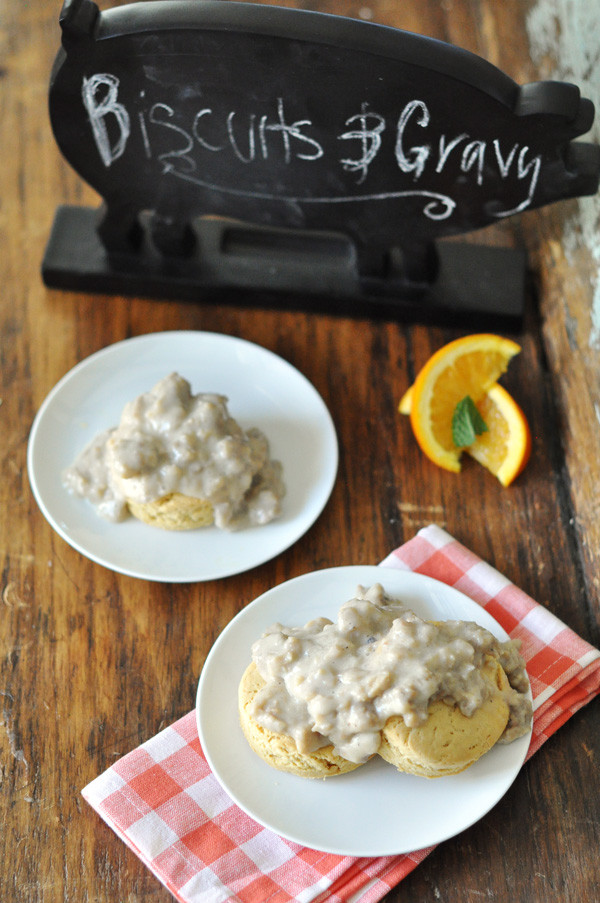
(174, 512)
(448, 742)
(278, 750)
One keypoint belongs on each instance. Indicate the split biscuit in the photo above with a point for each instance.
(278, 750)
(448, 742)
(174, 511)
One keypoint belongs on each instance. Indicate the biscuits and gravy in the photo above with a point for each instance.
(431, 697)
(179, 461)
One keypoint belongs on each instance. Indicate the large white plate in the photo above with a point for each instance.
(374, 810)
(263, 390)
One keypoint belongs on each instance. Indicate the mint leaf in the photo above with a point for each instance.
(467, 423)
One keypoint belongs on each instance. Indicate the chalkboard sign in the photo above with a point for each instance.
(266, 148)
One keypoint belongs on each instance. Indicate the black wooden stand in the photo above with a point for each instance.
(312, 270)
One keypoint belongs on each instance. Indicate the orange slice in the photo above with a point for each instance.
(506, 447)
(468, 366)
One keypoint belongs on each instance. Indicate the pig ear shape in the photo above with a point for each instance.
(78, 19)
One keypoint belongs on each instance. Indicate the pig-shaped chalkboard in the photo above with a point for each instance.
(279, 117)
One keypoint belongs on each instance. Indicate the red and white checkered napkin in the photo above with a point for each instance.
(164, 802)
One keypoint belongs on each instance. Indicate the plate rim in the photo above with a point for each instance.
(327, 483)
(395, 572)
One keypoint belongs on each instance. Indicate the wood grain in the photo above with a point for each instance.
(93, 663)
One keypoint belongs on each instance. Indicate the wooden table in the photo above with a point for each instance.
(93, 663)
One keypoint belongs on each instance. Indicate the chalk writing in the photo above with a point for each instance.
(438, 206)
(99, 104)
(293, 130)
(259, 138)
(415, 159)
(370, 140)
(525, 170)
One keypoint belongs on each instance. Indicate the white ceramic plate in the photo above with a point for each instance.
(374, 810)
(263, 391)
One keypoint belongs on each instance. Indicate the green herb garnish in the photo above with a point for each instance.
(467, 423)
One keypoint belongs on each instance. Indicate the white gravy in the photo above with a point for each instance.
(339, 682)
(169, 440)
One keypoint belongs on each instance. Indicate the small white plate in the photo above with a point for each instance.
(375, 810)
(263, 391)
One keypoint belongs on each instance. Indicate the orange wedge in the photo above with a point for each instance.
(468, 366)
(506, 446)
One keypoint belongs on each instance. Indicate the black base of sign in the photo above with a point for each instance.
(235, 263)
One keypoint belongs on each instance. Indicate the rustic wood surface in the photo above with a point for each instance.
(93, 663)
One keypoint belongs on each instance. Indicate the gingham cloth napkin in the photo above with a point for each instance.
(164, 803)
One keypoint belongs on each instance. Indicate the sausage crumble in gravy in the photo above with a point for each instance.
(339, 682)
(169, 440)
